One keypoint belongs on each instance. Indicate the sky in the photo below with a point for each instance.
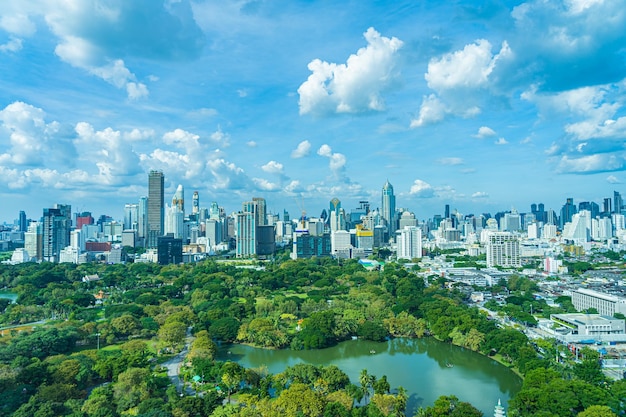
(485, 105)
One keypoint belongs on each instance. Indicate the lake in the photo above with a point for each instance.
(11, 296)
(426, 368)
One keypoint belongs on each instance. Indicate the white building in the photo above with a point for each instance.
(409, 241)
(503, 249)
(605, 304)
(534, 231)
(174, 221)
(340, 241)
(69, 255)
(549, 231)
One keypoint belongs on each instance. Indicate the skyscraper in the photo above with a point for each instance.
(618, 203)
(155, 207)
(567, 211)
(142, 217)
(131, 214)
(56, 231)
(388, 208)
(22, 222)
(179, 198)
(195, 203)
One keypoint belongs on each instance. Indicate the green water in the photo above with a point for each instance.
(11, 296)
(426, 368)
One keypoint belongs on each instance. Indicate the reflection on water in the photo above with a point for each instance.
(426, 368)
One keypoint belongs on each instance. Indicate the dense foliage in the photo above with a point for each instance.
(100, 347)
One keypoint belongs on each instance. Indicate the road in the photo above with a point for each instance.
(173, 367)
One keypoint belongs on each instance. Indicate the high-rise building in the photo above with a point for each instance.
(33, 241)
(142, 217)
(409, 242)
(22, 222)
(169, 250)
(131, 216)
(503, 249)
(179, 198)
(260, 211)
(56, 231)
(156, 208)
(195, 203)
(567, 211)
(388, 208)
(606, 207)
(245, 231)
(618, 203)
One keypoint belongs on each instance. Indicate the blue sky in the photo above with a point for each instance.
(482, 105)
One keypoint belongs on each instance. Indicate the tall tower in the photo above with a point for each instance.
(142, 217)
(618, 203)
(245, 230)
(56, 231)
(388, 211)
(179, 198)
(23, 226)
(260, 211)
(155, 207)
(195, 203)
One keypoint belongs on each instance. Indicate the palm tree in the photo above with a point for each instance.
(366, 380)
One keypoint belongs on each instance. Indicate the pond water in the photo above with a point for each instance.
(426, 368)
(11, 296)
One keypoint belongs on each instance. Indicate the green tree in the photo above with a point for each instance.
(173, 333)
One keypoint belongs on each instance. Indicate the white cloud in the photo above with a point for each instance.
(470, 67)
(265, 185)
(337, 161)
(501, 141)
(432, 110)
(303, 149)
(484, 132)
(480, 194)
(251, 144)
(612, 179)
(17, 24)
(32, 140)
(450, 161)
(12, 45)
(422, 189)
(136, 90)
(354, 87)
(273, 167)
(221, 138)
(592, 163)
(109, 151)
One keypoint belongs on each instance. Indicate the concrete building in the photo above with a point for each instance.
(588, 327)
(605, 304)
(409, 243)
(503, 249)
(340, 241)
(156, 208)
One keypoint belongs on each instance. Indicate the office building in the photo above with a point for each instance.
(156, 208)
(179, 198)
(618, 203)
(142, 218)
(195, 203)
(388, 208)
(308, 246)
(56, 231)
(605, 304)
(169, 250)
(131, 217)
(567, 211)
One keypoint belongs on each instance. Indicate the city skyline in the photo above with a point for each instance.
(482, 106)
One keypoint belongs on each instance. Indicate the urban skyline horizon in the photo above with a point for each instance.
(295, 209)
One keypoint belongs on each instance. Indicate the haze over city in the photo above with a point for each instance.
(480, 105)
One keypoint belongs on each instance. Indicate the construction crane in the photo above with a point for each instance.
(300, 204)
